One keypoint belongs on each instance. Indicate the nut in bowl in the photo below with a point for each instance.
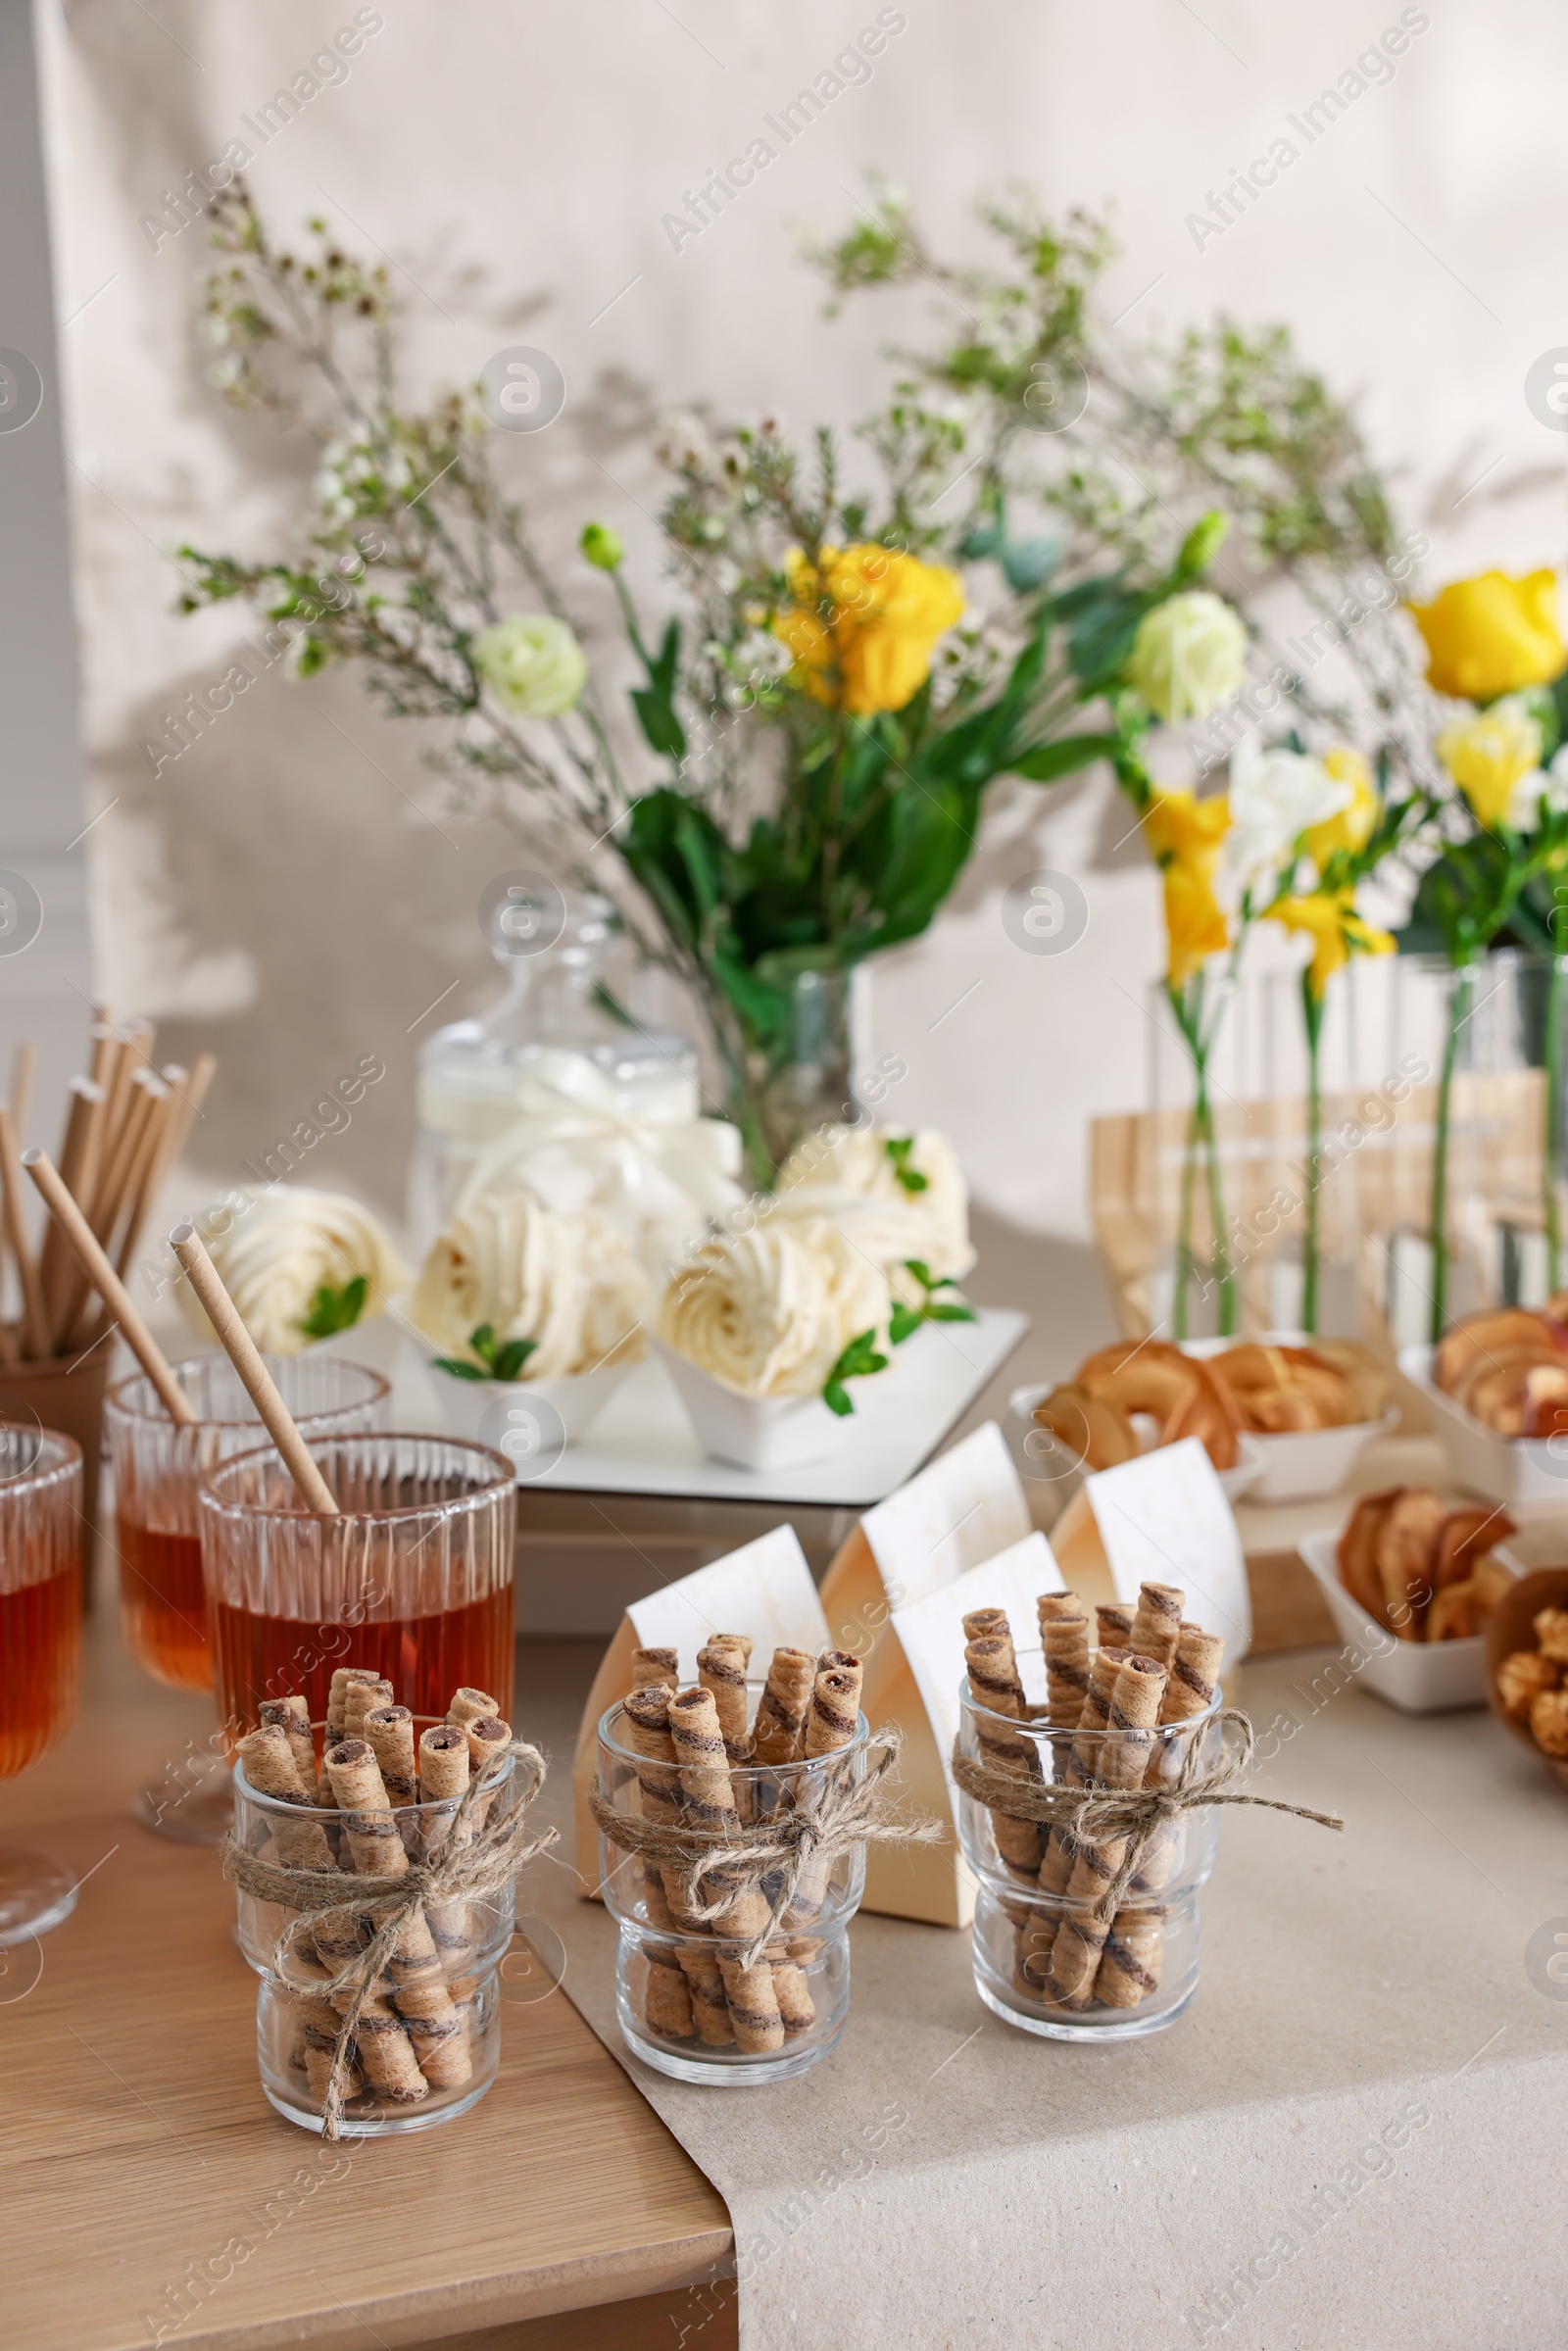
(1311, 1406)
(1527, 1665)
(1412, 1581)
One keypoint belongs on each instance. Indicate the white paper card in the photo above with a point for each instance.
(965, 1507)
(1164, 1519)
(931, 1632)
(765, 1590)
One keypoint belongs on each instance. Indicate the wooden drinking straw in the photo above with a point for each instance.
(23, 1068)
(34, 1327)
(241, 1350)
(103, 1279)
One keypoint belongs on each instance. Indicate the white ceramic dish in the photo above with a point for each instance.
(1236, 1481)
(579, 1399)
(754, 1432)
(1523, 1473)
(1301, 1465)
(1419, 1677)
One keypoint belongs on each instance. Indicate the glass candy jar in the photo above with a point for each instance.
(686, 2003)
(1043, 1960)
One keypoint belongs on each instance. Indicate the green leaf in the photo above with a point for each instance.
(483, 1341)
(511, 1358)
(921, 1273)
(946, 1313)
(332, 1310)
(457, 1368)
(1049, 760)
(837, 1399)
(903, 1322)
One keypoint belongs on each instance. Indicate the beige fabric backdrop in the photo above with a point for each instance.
(290, 891)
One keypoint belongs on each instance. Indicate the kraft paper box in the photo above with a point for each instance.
(1163, 1519)
(966, 1507)
(765, 1590)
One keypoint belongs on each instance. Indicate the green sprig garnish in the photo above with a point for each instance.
(503, 1361)
(898, 1149)
(933, 1307)
(858, 1361)
(332, 1310)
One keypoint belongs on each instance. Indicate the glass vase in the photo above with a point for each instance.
(799, 1078)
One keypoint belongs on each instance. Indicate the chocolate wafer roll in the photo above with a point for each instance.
(666, 1995)
(1133, 1710)
(267, 1755)
(367, 1823)
(1064, 1638)
(645, 1719)
(1157, 1625)
(709, 1800)
(386, 2053)
(710, 2007)
(987, 1624)
(443, 1780)
(651, 1666)
(1189, 1692)
(292, 1716)
(721, 1671)
(359, 1700)
(1112, 1624)
(390, 1733)
(753, 2004)
(782, 1709)
(423, 2002)
(1130, 1965)
(342, 1677)
(318, 2023)
(488, 1739)
(796, 2007)
(741, 1642)
(1076, 1768)
(467, 1705)
(834, 1714)
(994, 1683)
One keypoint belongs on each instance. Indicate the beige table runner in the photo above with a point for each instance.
(1353, 2134)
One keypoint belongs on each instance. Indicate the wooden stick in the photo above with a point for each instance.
(241, 1350)
(79, 1234)
(123, 1146)
(187, 1093)
(134, 1048)
(35, 1326)
(55, 1267)
(105, 1053)
(23, 1068)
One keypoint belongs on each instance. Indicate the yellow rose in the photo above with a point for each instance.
(1353, 826)
(1491, 634)
(1488, 754)
(1185, 838)
(1337, 931)
(870, 648)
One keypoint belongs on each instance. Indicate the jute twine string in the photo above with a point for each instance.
(715, 1865)
(1103, 1815)
(461, 1869)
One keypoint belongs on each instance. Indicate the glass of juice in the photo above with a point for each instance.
(40, 1645)
(413, 1579)
(158, 1465)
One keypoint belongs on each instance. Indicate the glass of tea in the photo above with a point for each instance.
(40, 1645)
(413, 1579)
(158, 1465)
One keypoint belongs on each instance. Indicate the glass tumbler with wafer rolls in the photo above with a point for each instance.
(427, 2040)
(1050, 1956)
(697, 1998)
(40, 1646)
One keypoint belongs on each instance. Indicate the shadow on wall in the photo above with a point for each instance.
(1059, 1283)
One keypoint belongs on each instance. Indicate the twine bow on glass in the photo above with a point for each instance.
(468, 1865)
(1106, 1816)
(715, 1866)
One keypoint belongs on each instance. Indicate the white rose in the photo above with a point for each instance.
(770, 1312)
(1550, 784)
(532, 663)
(849, 1174)
(1190, 654)
(568, 1283)
(278, 1248)
(1275, 795)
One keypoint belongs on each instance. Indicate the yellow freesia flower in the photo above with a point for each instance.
(1488, 754)
(1353, 826)
(1337, 932)
(864, 624)
(1492, 635)
(1185, 837)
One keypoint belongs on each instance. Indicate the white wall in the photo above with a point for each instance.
(272, 894)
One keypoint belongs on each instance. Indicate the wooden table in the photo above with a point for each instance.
(140, 2155)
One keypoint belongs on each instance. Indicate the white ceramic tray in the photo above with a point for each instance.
(1301, 1465)
(644, 1443)
(1419, 1677)
(1525, 1473)
(1236, 1481)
